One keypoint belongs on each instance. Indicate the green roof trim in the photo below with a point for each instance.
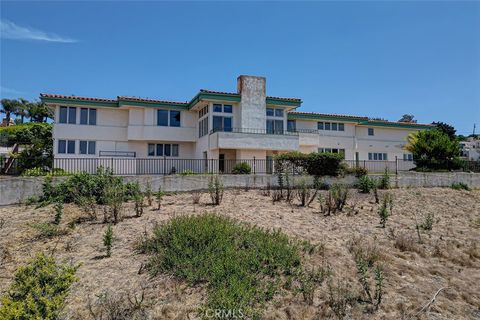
(213, 96)
(283, 102)
(294, 116)
(400, 125)
(81, 102)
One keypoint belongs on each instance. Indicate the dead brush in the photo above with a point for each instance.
(335, 199)
(266, 190)
(310, 280)
(196, 195)
(276, 195)
(340, 297)
(305, 194)
(119, 306)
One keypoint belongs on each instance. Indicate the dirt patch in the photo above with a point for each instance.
(415, 269)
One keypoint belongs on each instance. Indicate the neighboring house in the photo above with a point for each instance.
(245, 124)
(470, 149)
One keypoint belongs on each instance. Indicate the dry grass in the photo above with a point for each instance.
(448, 255)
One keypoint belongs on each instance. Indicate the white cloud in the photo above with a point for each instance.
(9, 30)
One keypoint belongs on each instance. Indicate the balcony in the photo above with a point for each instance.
(152, 133)
(246, 138)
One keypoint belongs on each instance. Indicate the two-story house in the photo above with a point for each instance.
(232, 126)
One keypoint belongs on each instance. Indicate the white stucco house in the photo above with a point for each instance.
(470, 149)
(226, 126)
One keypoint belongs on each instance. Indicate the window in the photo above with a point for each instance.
(92, 117)
(371, 132)
(274, 126)
(87, 147)
(291, 125)
(270, 112)
(174, 118)
(327, 125)
(217, 108)
(162, 118)
(341, 127)
(203, 127)
(278, 112)
(88, 116)
(407, 157)
(320, 125)
(377, 156)
(334, 126)
(151, 149)
(227, 108)
(222, 123)
(63, 115)
(71, 146)
(62, 146)
(72, 115)
(203, 112)
(167, 118)
(161, 149)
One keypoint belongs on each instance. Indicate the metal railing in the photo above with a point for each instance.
(170, 165)
(254, 131)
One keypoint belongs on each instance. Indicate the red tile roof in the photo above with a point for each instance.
(60, 96)
(150, 100)
(329, 115)
(237, 94)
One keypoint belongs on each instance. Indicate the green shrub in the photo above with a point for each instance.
(315, 163)
(58, 213)
(187, 172)
(385, 210)
(38, 291)
(460, 186)
(37, 172)
(357, 171)
(241, 168)
(384, 182)
(215, 189)
(365, 184)
(241, 264)
(108, 240)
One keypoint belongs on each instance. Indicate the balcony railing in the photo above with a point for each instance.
(254, 131)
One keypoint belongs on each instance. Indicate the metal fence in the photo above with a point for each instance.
(169, 166)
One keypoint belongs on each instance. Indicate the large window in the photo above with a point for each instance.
(371, 132)
(407, 157)
(174, 118)
(66, 146)
(88, 116)
(68, 115)
(274, 126)
(87, 147)
(377, 156)
(203, 127)
(163, 150)
(162, 118)
(222, 123)
(333, 126)
(274, 112)
(166, 118)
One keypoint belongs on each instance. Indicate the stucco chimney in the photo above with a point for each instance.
(252, 91)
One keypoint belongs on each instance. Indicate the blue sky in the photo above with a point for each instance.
(380, 59)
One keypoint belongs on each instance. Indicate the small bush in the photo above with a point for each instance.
(43, 171)
(384, 182)
(460, 186)
(340, 298)
(241, 168)
(149, 193)
(38, 291)
(304, 193)
(159, 195)
(47, 230)
(365, 184)
(113, 198)
(58, 213)
(215, 188)
(196, 197)
(357, 171)
(108, 240)
(427, 224)
(315, 163)
(385, 210)
(119, 306)
(241, 264)
(403, 242)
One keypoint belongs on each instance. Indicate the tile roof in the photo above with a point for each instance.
(329, 115)
(60, 96)
(237, 94)
(150, 100)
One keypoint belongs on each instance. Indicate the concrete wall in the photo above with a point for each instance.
(18, 189)
(253, 104)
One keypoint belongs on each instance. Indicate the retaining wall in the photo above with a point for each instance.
(18, 189)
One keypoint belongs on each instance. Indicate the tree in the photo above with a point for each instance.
(39, 112)
(434, 150)
(446, 128)
(9, 106)
(408, 118)
(22, 109)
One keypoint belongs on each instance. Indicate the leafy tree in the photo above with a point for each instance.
(408, 118)
(39, 112)
(434, 150)
(446, 128)
(9, 107)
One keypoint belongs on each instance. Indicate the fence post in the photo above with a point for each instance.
(164, 166)
(396, 165)
(111, 165)
(254, 165)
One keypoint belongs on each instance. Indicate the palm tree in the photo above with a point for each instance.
(22, 109)
(9, 106)
(39, 112)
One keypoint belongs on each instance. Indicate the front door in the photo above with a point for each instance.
(221, 162)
